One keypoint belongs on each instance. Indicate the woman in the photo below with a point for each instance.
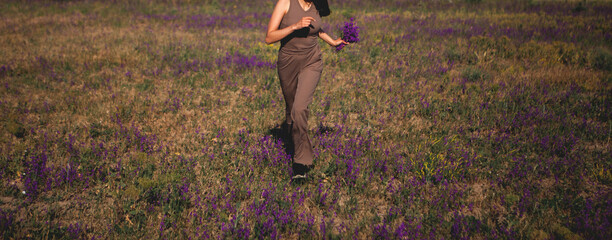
(297, 24)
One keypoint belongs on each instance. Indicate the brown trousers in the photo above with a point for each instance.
(299, 75)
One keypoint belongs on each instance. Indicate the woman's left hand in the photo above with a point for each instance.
(339, 41)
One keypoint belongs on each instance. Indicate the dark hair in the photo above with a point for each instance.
(322, 7)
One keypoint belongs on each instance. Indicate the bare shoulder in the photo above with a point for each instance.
(284, 5)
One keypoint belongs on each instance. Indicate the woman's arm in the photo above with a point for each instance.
(331, 41)
(274, 34)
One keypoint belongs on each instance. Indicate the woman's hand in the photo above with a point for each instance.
(304, 22)
(338, 42)
(330, 41)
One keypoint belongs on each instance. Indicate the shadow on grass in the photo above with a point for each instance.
(322, 129)
(282, 132)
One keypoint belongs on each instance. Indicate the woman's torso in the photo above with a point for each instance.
(304, 39)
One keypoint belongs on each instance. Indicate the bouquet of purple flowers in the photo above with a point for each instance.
(350, 34)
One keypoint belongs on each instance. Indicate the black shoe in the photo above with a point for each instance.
(300, 171)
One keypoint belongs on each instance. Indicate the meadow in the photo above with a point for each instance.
(449, 119)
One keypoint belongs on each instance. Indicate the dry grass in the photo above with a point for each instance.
(428, 127)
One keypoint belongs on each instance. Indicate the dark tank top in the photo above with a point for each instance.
(301, 40)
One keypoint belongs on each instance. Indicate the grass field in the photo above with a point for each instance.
(449, 119)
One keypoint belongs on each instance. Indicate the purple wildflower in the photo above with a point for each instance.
(350, 34)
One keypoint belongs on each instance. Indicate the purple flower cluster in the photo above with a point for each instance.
(243, 20)
(243, 62)
(350, 33)
(5, 70)
(36, 174)
(7, 220)
(76, 231)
